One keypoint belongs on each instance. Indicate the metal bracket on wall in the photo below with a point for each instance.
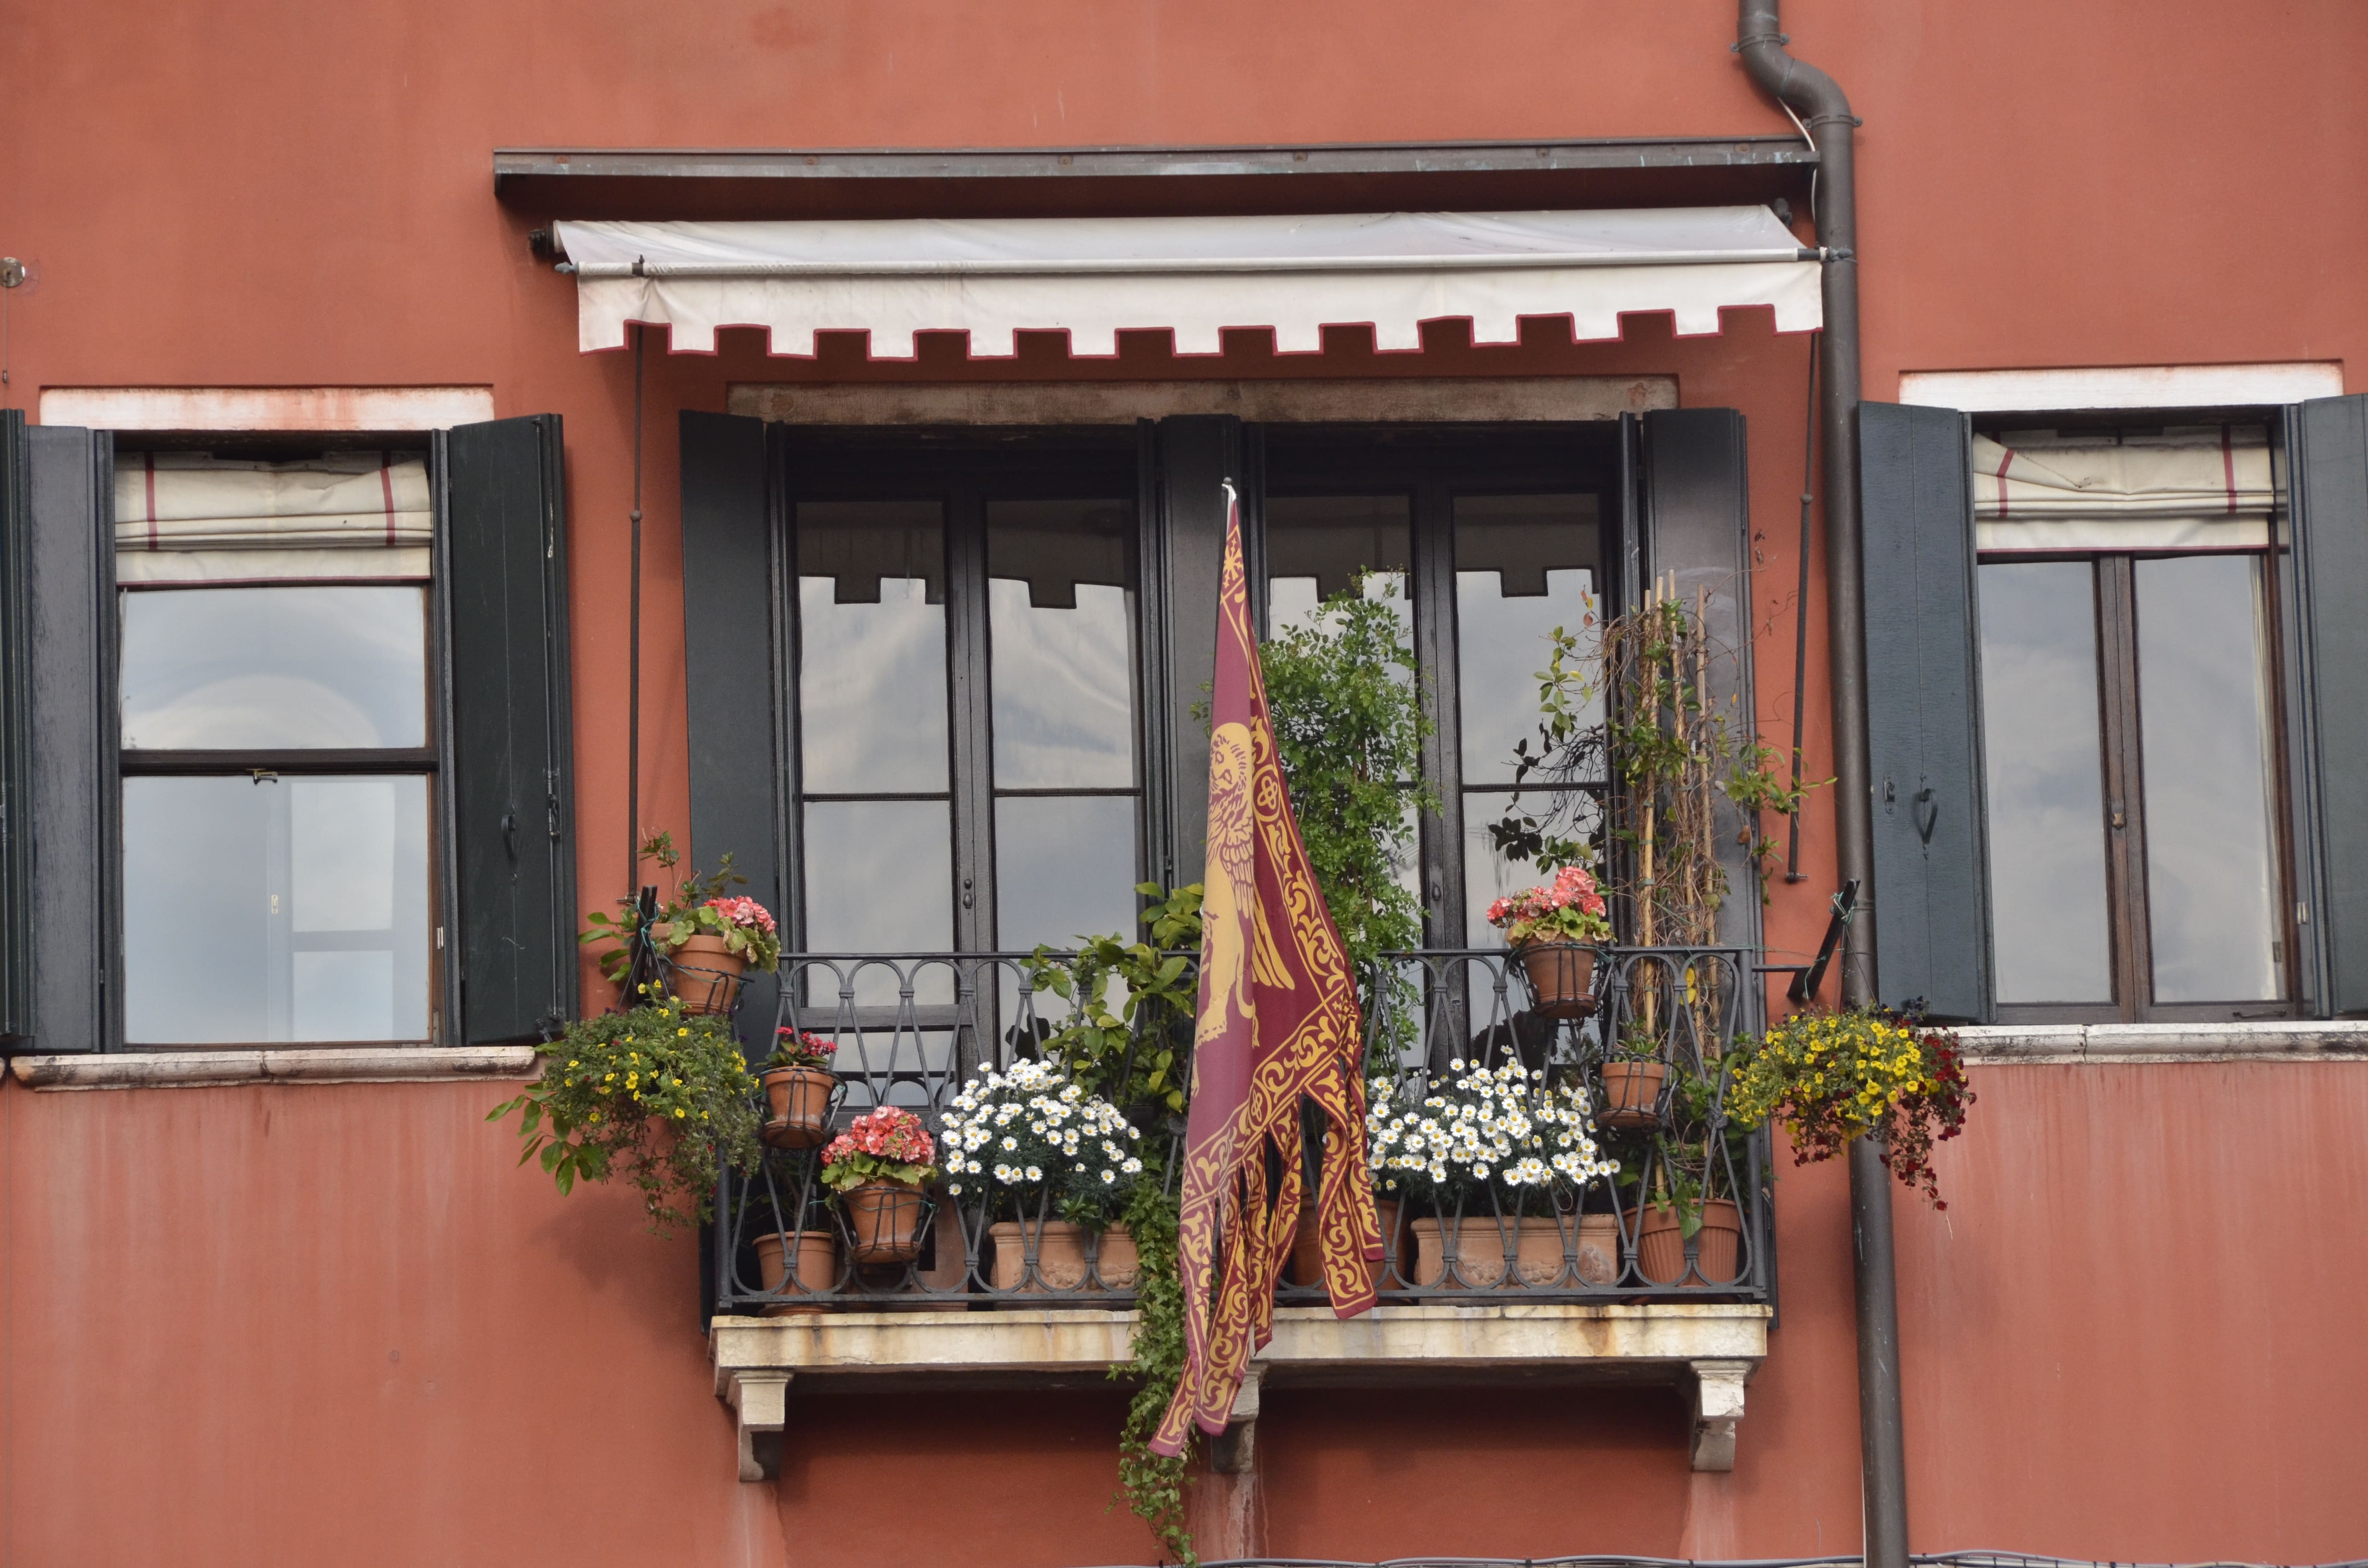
(12, 272)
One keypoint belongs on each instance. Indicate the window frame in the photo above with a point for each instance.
(430, 761)
(2121, 734)
(1433, 465)
(964, 472)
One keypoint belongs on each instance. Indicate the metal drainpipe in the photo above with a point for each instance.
(1823, 108)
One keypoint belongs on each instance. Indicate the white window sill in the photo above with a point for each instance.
(214, 1069)
(2278, 1040)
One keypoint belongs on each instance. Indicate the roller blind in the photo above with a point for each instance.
(2201, 488)
(195, 518)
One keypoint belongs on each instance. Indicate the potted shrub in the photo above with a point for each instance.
(1498, 1154)
(1632, 1076)
(698, 944)
(655, 1094)
(1050, 1164)
(877, 1168)
(710, 945)
(799, 1089)
(797, 1250)
(1680, 1210)
(1555, 929)
(1831, 1077)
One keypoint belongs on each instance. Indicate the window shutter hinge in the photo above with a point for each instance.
(2302, 914)
(440, 939)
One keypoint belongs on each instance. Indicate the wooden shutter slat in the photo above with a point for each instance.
(1931, 899)
(512, 828)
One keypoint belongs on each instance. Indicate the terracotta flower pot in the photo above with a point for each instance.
(816, 1257)
(1060, 1256)
(1562, 975)
(1480, 1251)
(797, 1105)
(884, 1221)
(1120, 1261)
(1631, 1093)
(707, 974)
(1599, 1249)
(1661, 1246)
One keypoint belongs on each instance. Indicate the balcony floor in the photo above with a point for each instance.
(1710, 1347)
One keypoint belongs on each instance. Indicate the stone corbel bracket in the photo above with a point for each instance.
(1711, 1347)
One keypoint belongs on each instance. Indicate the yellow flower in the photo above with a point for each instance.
(679, 1113)
(683, 1030)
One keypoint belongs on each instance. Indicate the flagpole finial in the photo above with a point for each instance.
(1231, 499)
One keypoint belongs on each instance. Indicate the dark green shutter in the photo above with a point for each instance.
(730, 652)
(2324, 577)
(70, 827)
(1931, 899)
(1694, 527)
(501, 486)
(1197, 453)
(15, 731)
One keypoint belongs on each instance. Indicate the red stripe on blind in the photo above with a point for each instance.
(386, 486)
(151, 463)
(2228, 465)
(2005, 463)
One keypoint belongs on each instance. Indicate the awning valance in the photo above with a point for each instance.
(1093, 277)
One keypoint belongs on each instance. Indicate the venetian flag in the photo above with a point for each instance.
(1278, 1027)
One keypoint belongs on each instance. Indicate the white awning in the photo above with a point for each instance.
(1093, 277)
(2199, 487)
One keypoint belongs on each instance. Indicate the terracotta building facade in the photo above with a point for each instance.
(440, 447)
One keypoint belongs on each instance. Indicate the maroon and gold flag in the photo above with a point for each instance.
(1278, 1026)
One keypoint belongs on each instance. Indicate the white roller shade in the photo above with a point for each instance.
(2201, 488)
(193, 517)
(1092, 278)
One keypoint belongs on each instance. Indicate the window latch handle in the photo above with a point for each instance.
(2120, 818)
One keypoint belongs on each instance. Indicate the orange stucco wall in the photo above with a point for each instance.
(335, 1324)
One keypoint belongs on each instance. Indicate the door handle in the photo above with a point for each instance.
(1928, 813)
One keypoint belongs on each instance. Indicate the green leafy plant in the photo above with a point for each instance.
(699, 906)
(1150, 1485)
(1676, 752)
(1348, 729)
(652, 1094)
(1121, 1038)
(1833, 1077)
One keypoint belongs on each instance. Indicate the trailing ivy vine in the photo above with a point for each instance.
(1149, 1484)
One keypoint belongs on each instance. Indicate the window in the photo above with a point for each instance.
(277, 747)
(1491, 540)
(297, 745)
(966, 720)
(2130, 708)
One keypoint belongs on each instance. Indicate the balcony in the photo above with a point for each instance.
(1574, 1282)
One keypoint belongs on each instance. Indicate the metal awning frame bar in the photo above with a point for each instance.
(889, 163)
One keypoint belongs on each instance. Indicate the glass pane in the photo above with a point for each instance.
(261, 912)
(1061, 595)
(1065, 867)
(2203, 716)
(1487, 876)
(1316, 545)
(1524, 565)
(880, 879)
(224, 668)
(871, 646)
(2047, 781)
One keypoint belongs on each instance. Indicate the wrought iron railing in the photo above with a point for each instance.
(1647, 1039)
